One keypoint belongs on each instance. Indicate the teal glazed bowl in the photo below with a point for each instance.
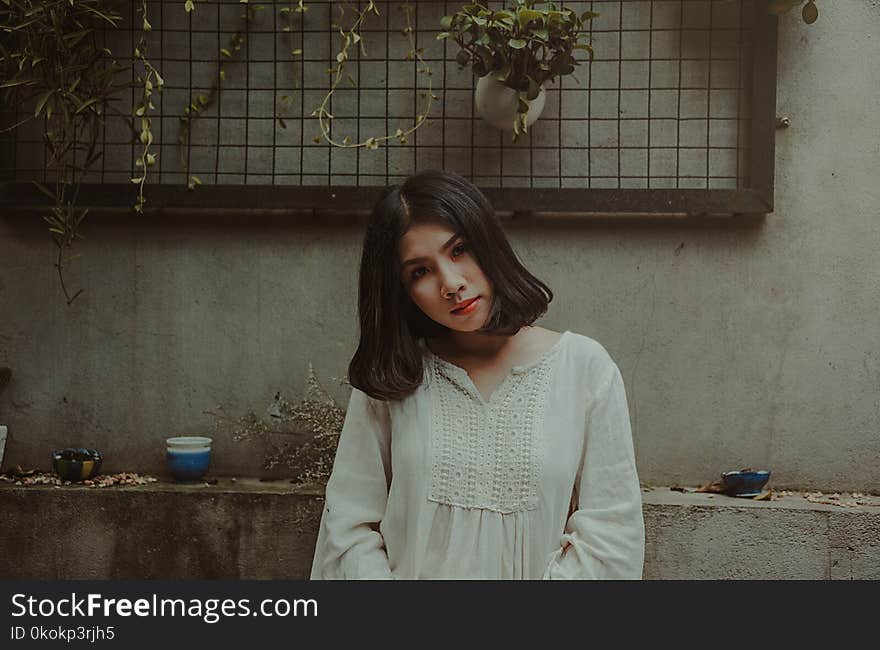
(76, 463)
(189, 457)
(746, 482)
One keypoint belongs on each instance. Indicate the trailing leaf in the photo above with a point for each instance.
(50, 54)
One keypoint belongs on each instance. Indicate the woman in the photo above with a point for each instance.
(475, 444)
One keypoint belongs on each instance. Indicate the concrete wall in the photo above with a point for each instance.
(742, 343)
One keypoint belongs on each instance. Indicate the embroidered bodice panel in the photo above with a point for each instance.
(488, 454)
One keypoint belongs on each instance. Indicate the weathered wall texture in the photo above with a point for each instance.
(741, 343)
(251, 530)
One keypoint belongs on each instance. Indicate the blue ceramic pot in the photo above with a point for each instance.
(189, 457)
(745, 483)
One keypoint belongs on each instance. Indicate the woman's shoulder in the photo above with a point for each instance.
(588, 354)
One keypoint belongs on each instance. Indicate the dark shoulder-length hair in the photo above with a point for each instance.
(388, 361)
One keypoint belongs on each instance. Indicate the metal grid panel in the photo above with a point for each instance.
(666, 105)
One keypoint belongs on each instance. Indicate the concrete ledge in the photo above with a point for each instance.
(163, 531)
(249, 529)
(697, 536)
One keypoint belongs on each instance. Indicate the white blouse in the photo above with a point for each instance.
(537, 482)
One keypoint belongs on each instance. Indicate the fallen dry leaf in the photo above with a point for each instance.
(716, 487)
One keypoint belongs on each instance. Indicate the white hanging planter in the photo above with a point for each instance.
(497, 103)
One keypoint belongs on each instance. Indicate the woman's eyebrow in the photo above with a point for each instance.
(416, 260)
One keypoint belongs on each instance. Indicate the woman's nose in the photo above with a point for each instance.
(451, 283)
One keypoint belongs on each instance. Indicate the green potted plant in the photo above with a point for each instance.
(514, 52)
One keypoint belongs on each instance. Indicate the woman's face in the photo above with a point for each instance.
(443, 277)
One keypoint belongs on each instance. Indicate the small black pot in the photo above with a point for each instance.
(76, 463)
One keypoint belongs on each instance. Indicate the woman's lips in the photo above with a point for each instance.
(467, 309)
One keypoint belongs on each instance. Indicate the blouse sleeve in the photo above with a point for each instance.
(350, 546)
(604, 537)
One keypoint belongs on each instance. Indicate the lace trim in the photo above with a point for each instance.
(488, 455)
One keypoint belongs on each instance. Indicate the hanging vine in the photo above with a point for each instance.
(50, 58)
(201, 102)
(352, 38)
(150, 79)
(286, 13)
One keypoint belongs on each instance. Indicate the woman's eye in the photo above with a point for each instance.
(459, 250)
(416, 274)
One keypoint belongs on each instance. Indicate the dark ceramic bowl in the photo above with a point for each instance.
(76, 463)
(745, 483)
